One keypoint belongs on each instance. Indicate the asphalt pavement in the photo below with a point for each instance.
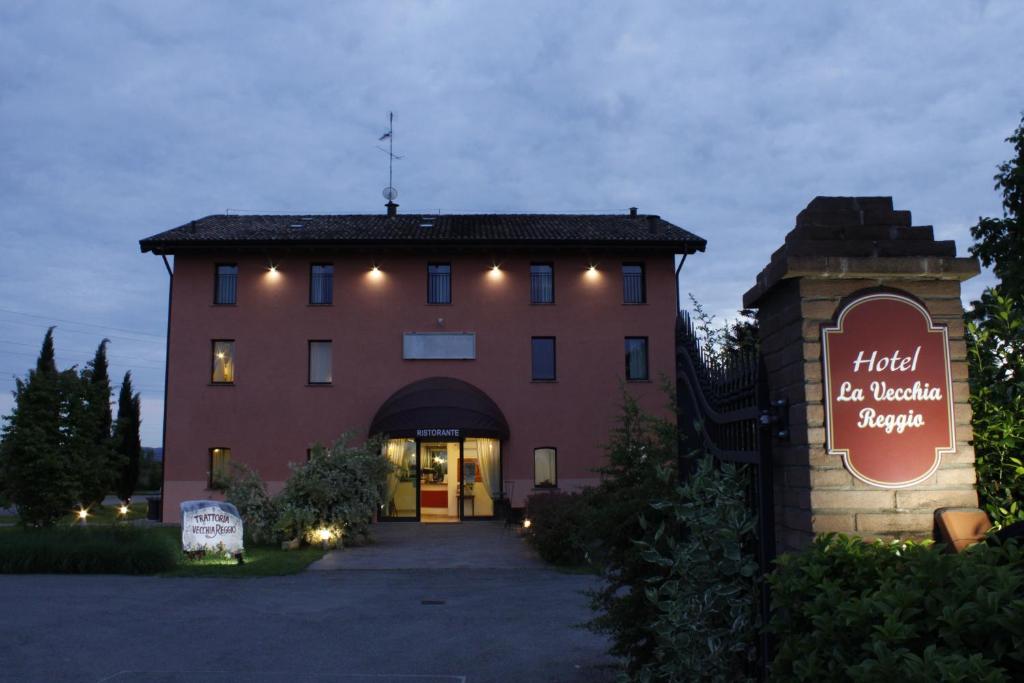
(490, 612)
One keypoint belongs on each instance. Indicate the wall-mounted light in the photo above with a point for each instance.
(375, 272)
(495, 272)
(123, 510)
(591, 271)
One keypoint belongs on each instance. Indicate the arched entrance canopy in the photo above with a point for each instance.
(439, 404)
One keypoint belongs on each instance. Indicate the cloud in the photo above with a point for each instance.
(121, 119)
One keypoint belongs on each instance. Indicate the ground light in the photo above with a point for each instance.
(527, 523)
(82, 514)
(122, 510)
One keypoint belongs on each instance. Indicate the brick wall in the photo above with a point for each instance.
(841, 245)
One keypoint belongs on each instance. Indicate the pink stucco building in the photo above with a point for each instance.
(489, 349)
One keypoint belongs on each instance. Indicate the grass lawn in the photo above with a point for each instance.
(259, 561)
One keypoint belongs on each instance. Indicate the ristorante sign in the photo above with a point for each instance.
(888, 390)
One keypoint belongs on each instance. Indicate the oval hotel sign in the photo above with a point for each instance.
(888, 390)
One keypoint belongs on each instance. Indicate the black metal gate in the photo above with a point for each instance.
(724, 409)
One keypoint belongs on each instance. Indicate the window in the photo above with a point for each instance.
(543, 361)
(223, 361)
(220, 467)
(634, 288)
(321, 284)
(439, 283)
(320, 362)
(636, 358)
(225, 286)
(542, 283)
(545, 470)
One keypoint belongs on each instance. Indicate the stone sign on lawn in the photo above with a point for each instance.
(888, 390)
(210, 525)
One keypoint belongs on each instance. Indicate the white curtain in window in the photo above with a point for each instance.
(320, 362)
(544, 467)
(488, 459)
(394, 449)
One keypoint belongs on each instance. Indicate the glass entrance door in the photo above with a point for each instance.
(439, 480)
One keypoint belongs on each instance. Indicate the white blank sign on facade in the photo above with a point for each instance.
(439, 346)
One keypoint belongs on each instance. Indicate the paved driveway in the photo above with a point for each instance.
(366, 614)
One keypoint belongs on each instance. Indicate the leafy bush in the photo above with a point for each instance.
(995, 354)
(705, 598)
(845, 610)
(558, 524)
(642, 452)
(259, 511)
(995, 348)
(339, 490)
(87, 550)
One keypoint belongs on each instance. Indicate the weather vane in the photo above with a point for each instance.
(390, 193)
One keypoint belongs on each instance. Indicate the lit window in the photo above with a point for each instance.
(220, 467)
(223, 361)
(320, 362)
(634, 288)
(543, 358)
(636, 358)
(321, 284)
(545, 470)
(225, 286)
(439, 283)
(542, 283)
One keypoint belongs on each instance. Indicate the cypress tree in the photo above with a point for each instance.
(90, 424)
(38, 475)
(126, 437)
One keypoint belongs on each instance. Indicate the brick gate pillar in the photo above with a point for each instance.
(841, 245)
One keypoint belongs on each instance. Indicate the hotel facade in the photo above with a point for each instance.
(488, 350)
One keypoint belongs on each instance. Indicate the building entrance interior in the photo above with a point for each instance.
(442, 481)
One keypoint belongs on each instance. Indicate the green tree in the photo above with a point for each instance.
(999, 242)
(995, 341)
(38, 475)
(99, 464)
(126, 437)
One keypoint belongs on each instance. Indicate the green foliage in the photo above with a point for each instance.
(705, 589)
(995, 354)
(37, 474)
(89, 427)
(725, 342)
(339, 489)
(247, 492)
(127, 443)
(678, 578)
(119, 549)
(559, 523)
(845, 610)
(995, 347)
(999, 242)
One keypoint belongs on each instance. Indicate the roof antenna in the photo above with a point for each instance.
(390, 193)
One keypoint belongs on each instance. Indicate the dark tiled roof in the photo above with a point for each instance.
(238, 230)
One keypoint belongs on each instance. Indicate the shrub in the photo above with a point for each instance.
(995, 344)
(845, 610)
(705, 597)
(259, 511)
(339, 489)
(87, 550)
(558, 523)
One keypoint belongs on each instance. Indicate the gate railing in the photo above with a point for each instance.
(724, 408)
